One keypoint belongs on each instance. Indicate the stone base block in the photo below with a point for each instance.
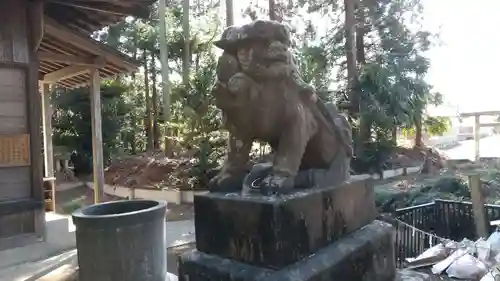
(275, 231)
(364, 255)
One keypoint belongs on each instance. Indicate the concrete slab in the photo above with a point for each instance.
(30, 271)
(59, 238)
(179, 233)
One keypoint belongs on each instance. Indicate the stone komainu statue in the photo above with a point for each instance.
(262, 96)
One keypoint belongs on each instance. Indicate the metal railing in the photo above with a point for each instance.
(420, 227)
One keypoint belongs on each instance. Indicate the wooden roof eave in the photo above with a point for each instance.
(89, 45)
(88, 16)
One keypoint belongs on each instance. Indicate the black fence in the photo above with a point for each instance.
(420, 227)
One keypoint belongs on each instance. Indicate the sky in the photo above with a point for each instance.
(463, 67)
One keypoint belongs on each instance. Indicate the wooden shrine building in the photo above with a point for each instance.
(44, 43)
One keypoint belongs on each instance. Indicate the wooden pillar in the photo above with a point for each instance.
(47, 131)
(480, 218)
(21, 192)
(49, 184)
(97, 153)
(477, 138)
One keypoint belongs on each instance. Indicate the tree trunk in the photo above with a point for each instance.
(164, 72)
(229, 13)
(360, 35)
(272, 10)
(147, 121)
(418, 132)
(394, 134)
(364, 123)
(133, 143)
(154, 98)
(133, 119)
(350, 48)
(185, 31)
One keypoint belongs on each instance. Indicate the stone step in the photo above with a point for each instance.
(31, 271)
(66, 272)
(60, 237)
(63, 267)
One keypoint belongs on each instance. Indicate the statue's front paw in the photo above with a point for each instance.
(225, 182)
(276, 184)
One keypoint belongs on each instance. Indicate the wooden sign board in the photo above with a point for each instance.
(15, 150)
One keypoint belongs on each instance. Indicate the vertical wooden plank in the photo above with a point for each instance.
(476, 138)
(97, 154)
(47, 131)
(5, 32)
(35, 124)
(480, 219)
(15, 55)
(20, 46)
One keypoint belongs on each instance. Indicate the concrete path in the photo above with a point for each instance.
(180, 232)
(488, 147)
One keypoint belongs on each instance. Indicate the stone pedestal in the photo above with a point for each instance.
(317, 234)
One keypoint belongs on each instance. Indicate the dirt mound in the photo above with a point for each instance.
(149, 170)
(406, 157)
(154, 170)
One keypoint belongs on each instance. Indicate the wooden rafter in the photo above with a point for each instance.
(67, 49)
(71, 59)
(90, 15)
(102, 6)
(75, 19)
(86, 43)
(65, 73)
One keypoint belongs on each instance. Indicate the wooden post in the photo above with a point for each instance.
(477, 138)
(47, 131)
(97, 157)
(480, 218)
(48, 151)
